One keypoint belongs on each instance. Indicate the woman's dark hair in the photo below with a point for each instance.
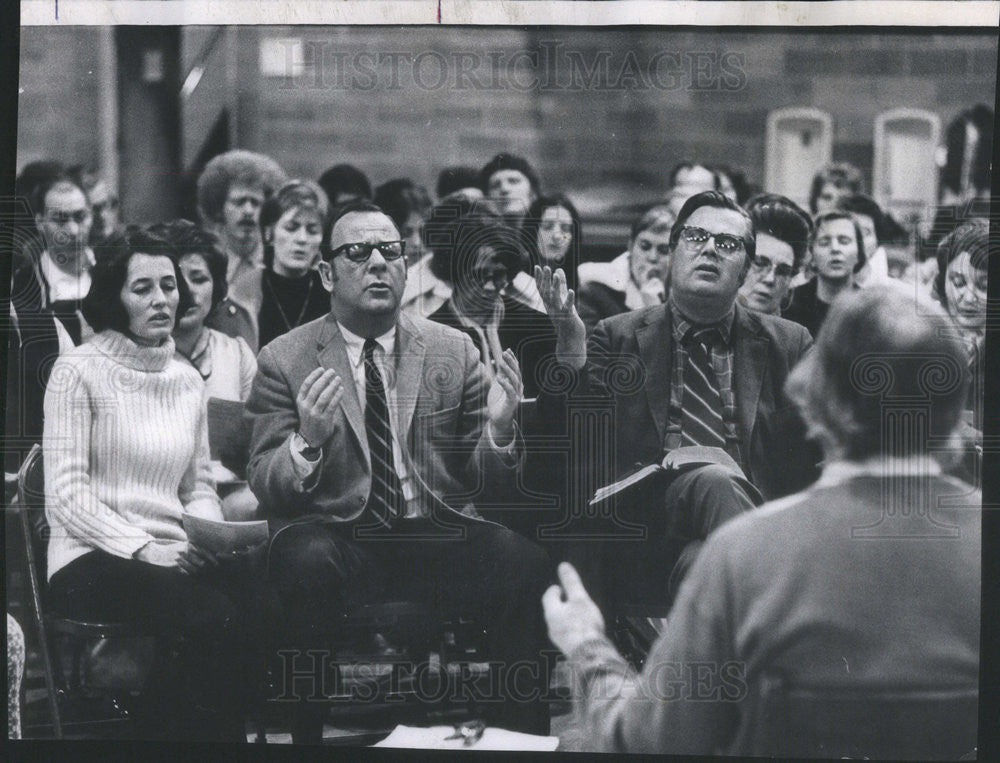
(841, 175)
(880, 343)
(782, 218)
(972, 236)
(295, 194)
(506, 161)
(456, 229)
(188, 238)
(102, 307)
(401, 198)
(453, 179)
(827, 217)
(533, 221)
(737, 178)
(719, 201)
(345, 178)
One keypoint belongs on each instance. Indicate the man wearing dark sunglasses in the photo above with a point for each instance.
(373, 434)
(700, 370)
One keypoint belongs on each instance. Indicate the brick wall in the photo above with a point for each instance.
(616, 133)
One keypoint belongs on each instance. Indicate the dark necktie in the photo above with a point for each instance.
(386, 497)
(702, 422)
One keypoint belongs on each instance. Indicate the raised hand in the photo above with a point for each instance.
(560, 304)
(570, 613)
(318, 398)
(504, 396)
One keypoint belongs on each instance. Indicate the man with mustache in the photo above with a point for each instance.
(368, 427)
(698, 370)
(231, 191)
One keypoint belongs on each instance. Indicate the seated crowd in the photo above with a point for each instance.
(407, 370)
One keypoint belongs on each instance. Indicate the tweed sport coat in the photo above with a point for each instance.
(441, 392)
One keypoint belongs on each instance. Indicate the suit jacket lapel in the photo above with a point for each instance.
(410, 352)
(749, 363)
(656, 352)
(333, 354)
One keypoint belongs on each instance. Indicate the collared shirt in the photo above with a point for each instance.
(837, 472)
(424, 292)
(722, 363)
(355, 346)
(243, 274)
(63, 286)
(617, 275)
(386, 348)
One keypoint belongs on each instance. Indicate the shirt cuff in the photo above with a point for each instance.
(506, 450)
(303, 467)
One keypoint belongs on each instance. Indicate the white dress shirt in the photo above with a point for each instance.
(63, 286)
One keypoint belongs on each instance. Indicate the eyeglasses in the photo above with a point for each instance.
(487, 275)
(360, 252)
(764, 265)
(724, 243)
(61, 218)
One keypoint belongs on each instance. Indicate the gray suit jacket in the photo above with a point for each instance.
(441, 391)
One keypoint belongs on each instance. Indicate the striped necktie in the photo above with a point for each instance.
(702, 422)
(386, 498)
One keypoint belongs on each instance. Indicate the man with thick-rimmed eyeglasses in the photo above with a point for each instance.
(373, 435)
(697, 371)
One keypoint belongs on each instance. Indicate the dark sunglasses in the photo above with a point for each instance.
(359, 252)
(724, 242)
(764, 265)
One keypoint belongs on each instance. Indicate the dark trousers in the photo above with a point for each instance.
(211, 627)
(649, 570)
(321, 570)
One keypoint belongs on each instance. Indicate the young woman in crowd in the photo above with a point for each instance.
(635, 278)
(291, 223)
(838, 253)
(126, 456)
(478, 255)
(783, 231)
(552, 234)
(226, 364)
(963, 260)
(871, 220)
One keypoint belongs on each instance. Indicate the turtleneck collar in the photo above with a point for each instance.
(138, 357)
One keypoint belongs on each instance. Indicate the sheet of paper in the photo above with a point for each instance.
(434, 738)
(223, 536)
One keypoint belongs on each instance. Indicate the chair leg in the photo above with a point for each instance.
(50, 683)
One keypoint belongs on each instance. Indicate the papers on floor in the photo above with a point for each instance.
(434, 738)
(223, 537)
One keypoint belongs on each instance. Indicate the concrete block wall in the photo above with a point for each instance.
(397, 124)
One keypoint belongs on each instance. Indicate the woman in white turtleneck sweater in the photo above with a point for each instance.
(126, 454)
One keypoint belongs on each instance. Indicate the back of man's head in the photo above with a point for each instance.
(881, 348)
